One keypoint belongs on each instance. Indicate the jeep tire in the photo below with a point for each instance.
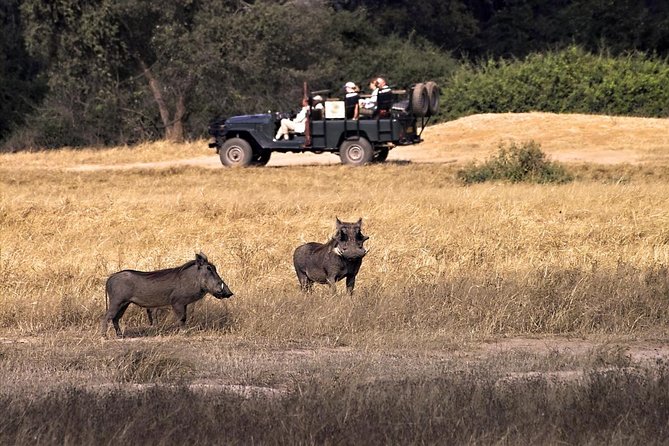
(433, 97)
(236, 152)
(420, 101)
(381, 155)
(356, 152)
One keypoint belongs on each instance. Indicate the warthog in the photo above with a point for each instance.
(177, 287)
(330, 262)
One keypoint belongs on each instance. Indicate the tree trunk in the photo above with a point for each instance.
(178, 122)
(174, 129)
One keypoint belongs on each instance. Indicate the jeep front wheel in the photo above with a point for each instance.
(236, 152)
(356, 152)
(262, 158)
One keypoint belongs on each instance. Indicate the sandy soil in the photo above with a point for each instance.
(570, 138)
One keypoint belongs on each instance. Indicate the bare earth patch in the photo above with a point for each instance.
(216, 363)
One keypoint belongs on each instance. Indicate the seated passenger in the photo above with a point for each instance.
(295, 125)
(378, 86)
(318, 112)
(351, 104)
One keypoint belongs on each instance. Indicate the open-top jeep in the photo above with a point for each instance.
(398, 119)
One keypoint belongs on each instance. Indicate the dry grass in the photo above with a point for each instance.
(484, 260)
(147, 152)
(450, 267)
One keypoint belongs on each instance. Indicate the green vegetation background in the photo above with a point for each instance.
(101, 72)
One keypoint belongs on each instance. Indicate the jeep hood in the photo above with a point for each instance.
(248, 119)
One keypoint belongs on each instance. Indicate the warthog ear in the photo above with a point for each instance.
(359, 223)
(201, 259)
(339, 223)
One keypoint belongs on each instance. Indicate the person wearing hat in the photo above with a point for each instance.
(351, 104)
(317, 112)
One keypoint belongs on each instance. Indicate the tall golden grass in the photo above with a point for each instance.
(448, 264)
(446, 260)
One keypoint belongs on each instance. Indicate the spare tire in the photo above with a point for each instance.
(419, 100)
(433, 97)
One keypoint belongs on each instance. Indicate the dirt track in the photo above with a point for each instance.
(564, 137)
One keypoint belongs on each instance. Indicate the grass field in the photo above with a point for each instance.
(578, 269)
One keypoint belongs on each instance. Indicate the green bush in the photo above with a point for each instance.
(570, 80)
(514, 163)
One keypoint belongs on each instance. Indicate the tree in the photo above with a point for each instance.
(77, 43)
(190, 55)
(158, 40)
(20, 87)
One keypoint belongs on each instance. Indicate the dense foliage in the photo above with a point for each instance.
(571, 80)
(100, 72)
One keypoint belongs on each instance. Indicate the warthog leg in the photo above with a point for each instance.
(333, 284)
(180, 311)
(305, 283)
(114, 314)
(149, 313)
(350, 284)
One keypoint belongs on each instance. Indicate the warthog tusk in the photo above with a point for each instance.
(337, 251)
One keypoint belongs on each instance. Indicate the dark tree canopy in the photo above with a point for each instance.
(21, 86)
(518, 27)
(99, 72)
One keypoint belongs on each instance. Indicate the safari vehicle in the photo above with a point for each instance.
(399, 119)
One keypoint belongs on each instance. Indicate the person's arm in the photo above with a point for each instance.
(302, 115)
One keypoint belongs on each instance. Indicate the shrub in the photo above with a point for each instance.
(514, 163)
(571, 80)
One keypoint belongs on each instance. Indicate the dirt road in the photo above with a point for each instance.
(568, 138)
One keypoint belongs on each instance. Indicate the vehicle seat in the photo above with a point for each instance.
(401, 105)
(317, 114)
(384, 103)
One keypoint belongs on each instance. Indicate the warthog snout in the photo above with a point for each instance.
(351, 251)
(224, 293)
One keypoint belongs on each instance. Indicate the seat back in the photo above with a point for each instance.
(317, 114)
(384, 102)
(351, 102)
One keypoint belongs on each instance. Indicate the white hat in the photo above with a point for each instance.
(349, 85)
(318, 98)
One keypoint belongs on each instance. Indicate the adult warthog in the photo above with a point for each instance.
(177, 287)
(330, 262)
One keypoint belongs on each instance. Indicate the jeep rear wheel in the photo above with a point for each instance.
(236, 152)
(381, 155)
(356, 152)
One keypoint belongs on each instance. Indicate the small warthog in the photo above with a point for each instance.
(330, 262)
(177, 287)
